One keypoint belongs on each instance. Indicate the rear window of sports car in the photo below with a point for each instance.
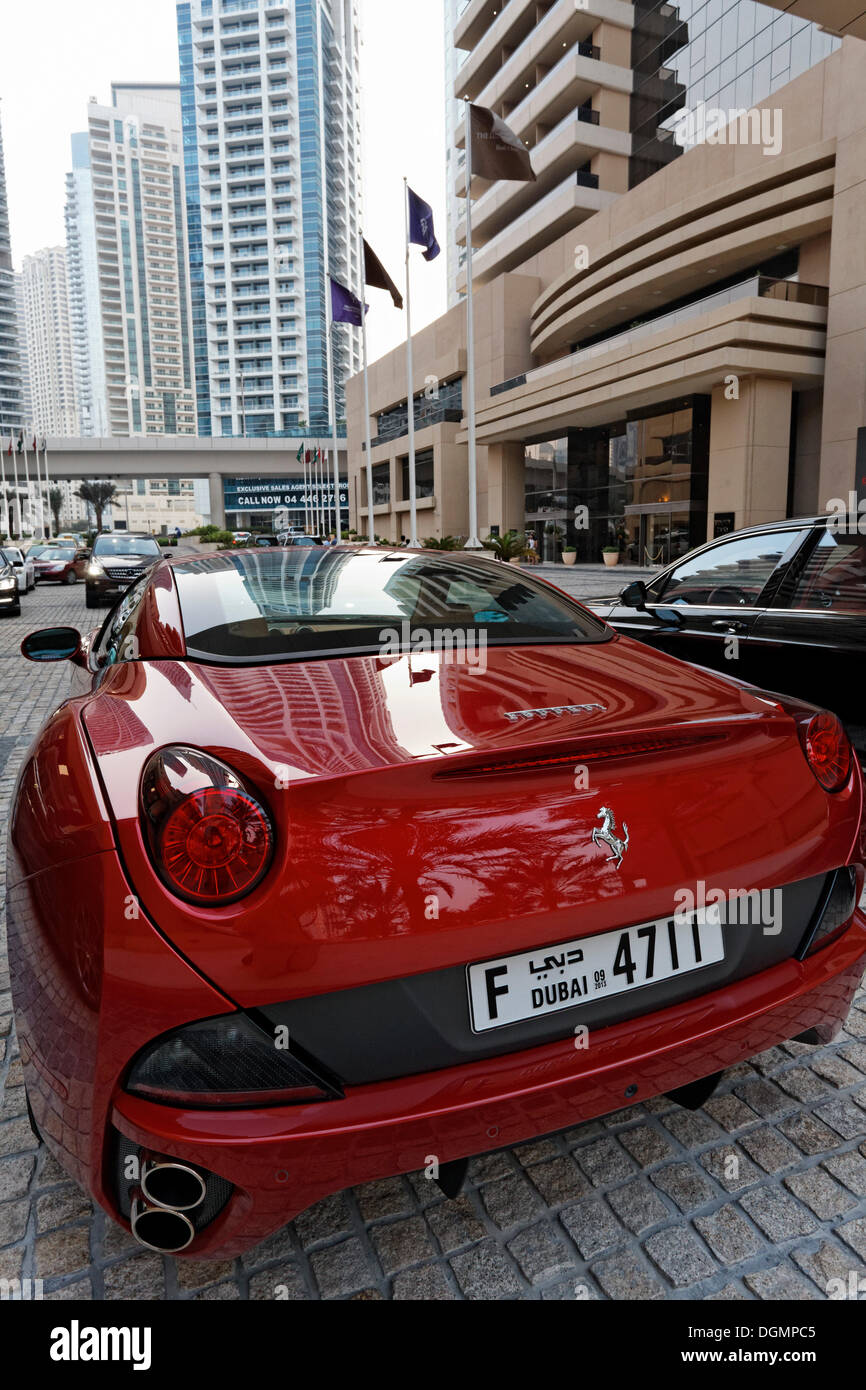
(277, 605)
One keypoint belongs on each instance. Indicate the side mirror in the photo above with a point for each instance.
(52, 644)
(634, 595)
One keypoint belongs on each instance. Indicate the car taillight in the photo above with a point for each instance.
(209, 836)
(229, 1061)
(827, 749)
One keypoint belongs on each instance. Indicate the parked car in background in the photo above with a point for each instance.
(305, 540)
(68, 539)
(10, 598)
(116, 561)
(60, 564)
(265, 542)
(782, 606)
(23, 567)
(242, 537)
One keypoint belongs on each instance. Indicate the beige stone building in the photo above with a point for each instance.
(686, 357)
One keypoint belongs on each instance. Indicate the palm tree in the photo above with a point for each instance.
(55, 502)
(99, 496)
(446, 543)
(511, 546)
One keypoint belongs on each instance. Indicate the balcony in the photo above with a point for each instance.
(518, 44)
(552, 216)
(756, 287)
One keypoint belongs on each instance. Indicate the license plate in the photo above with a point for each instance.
(551, 978)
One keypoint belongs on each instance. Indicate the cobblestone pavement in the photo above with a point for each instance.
(644, 1204)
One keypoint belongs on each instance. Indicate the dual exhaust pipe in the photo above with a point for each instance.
(169, 1190)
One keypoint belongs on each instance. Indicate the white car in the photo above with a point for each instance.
(25, 570)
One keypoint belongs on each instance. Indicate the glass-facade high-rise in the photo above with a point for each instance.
(725, 54)
(130, 303)
(194, 219)
(11, 402)
(52, 407)
(271, 148)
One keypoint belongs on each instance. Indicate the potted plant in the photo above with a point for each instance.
(569, 554)
(511, 547)
(610, 554)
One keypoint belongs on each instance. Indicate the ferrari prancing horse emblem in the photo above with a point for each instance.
(606, 835)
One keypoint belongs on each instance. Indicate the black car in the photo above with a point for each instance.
(782, 606)
(116, 561)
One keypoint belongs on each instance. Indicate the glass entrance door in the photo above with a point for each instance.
(664, 537)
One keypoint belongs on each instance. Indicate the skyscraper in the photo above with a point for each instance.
(11, 403)
(20, 314)
(594, 89)
(271, 148)
(48, 338)
(129, 285)
(625, 289)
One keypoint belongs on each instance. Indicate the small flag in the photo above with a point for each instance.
(11, 448)
(345, 307)
(377, 276)
(35, 445)
(497, 153)
(20, 441)
(299, 456)
(44, 445)
(421, 231)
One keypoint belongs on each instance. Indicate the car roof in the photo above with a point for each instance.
(798, 522)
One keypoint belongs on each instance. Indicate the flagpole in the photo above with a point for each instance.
(472, 543)
(314, 489)
(320, 491)
(323, 491)
(332, 406)
(305, 468)
(27, 483)
(17, 493)
(40, 498)
(47, 483)
(410, 373)
(3, 491)
(370, 526)
(38, 491)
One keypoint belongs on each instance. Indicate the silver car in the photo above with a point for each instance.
(23, 566)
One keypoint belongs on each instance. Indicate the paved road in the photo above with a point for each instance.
(640, 1205)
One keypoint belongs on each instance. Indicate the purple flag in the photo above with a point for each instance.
(421, 231)
(345, 306)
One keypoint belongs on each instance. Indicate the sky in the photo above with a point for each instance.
(70, 50)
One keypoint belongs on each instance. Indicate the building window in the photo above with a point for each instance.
(423, 476)
(381, 484)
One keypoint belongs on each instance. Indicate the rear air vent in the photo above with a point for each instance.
(608, 751)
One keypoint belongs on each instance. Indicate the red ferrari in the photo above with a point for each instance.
(341, 863)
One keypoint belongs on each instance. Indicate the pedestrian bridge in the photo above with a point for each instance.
(184, 456)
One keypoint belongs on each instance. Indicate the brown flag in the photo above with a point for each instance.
(497, 153)
(376, 275)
